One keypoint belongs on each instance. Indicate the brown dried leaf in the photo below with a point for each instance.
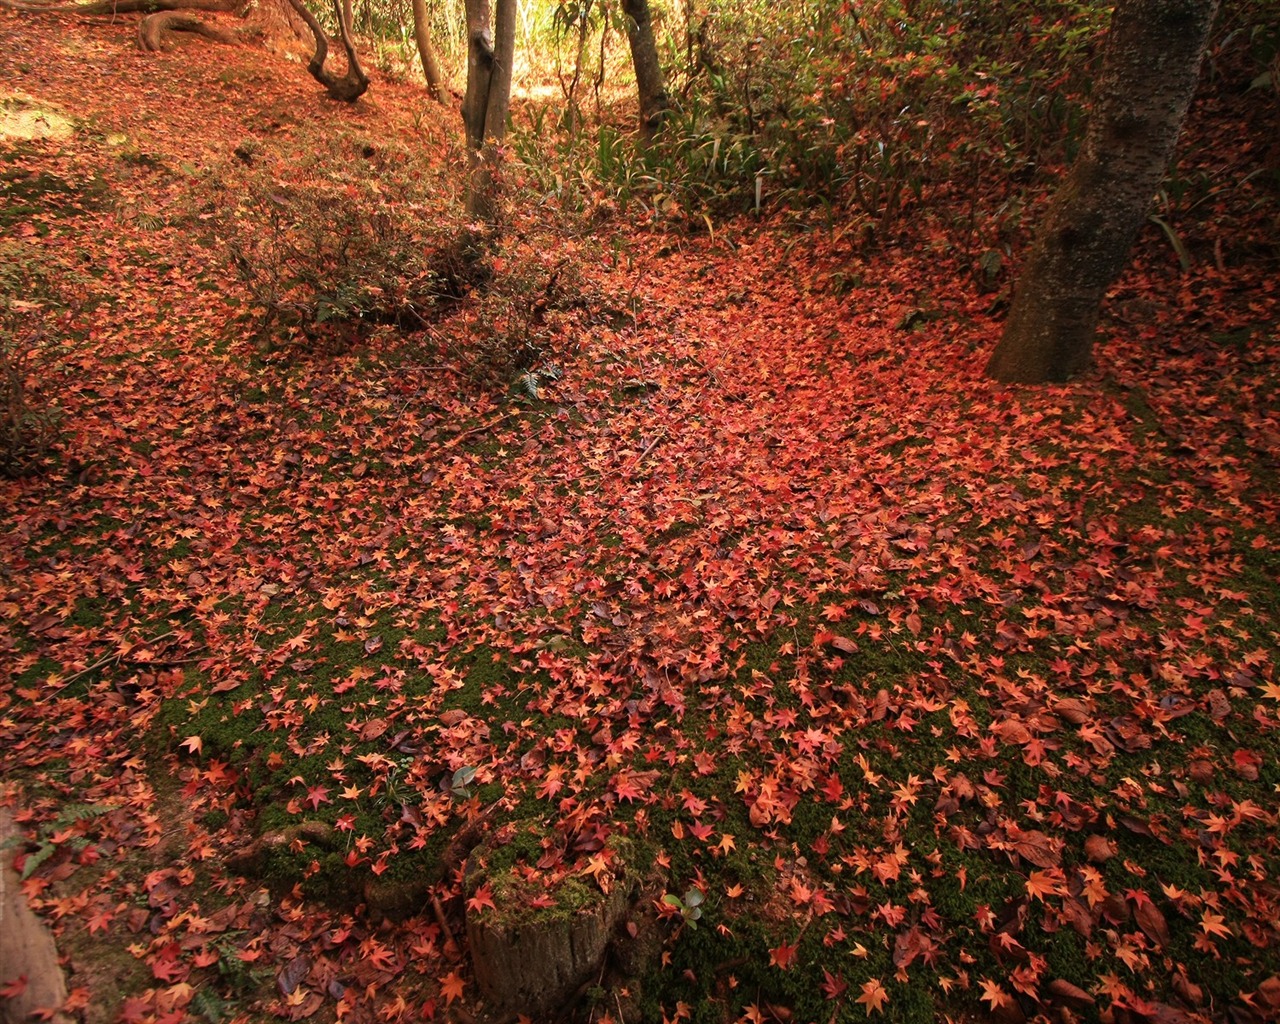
(1151, 921)
(1099, 849)
(1069, 995)
(1038, 849)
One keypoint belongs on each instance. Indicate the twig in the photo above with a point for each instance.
(645, 454)
(457, 439)
(450, 947)
(118, 656)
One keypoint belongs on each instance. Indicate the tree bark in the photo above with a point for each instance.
(1150, 64)
(350, 86)
(488, 98)
(430, 67)
(654, 103)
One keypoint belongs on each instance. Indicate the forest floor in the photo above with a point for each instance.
(880, 688)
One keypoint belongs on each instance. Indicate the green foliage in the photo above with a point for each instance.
(54, 834)
(858, 108)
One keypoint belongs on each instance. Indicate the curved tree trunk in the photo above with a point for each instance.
(155, 29)
(654, 103)
(430, 68)
(350, 86)
(1149, 68)
(488, 98)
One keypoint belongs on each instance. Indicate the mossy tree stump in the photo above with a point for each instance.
(534, 961)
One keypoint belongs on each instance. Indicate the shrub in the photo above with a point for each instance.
(356, 243)
(31, 333)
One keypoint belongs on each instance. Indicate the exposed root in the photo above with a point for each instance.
(155, 30)
(119, 6)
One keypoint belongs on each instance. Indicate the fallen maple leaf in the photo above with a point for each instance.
(783, 956)
(873, 996)
(481, 898)
(451, 987)
(833, 986)
(993, 993)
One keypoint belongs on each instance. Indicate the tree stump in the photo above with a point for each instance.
(534, 961)
(26, 947)
(537, 964)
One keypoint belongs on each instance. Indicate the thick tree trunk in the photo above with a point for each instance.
(1149, 68)
(654, 103)
(350, 86)
(430, 67)
(488, 98)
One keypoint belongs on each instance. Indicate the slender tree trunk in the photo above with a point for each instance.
(488, 98)
(430, 68)
(654, 103)
(1149, 68)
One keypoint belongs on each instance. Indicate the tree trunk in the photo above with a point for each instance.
(430, 68)
(1150, 64)
(644, 57)
(353, 83)
(488, 97)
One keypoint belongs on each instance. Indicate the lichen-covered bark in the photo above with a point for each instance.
(1149, 68)
(654, 103)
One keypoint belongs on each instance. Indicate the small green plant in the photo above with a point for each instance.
(460, 782)
(689, 908)
(64, 831)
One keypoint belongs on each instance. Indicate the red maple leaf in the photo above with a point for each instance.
(783, 956)
(481, 898)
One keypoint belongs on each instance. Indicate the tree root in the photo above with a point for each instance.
(155, 29)
(118, 6)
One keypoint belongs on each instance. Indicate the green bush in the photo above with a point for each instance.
(860, 107)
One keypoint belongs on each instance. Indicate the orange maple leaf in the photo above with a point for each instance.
(1051, 882)
(994, 993)
(873, 996)
(451, 987)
